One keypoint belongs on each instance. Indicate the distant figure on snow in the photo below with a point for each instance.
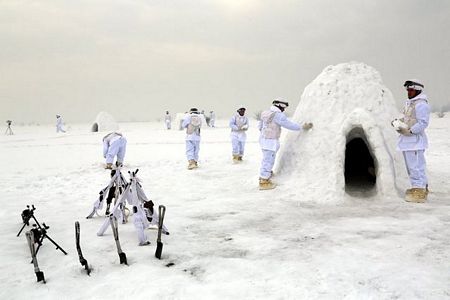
(59, 124)
(270, 126)
(168, 120)
(9, 129)
(239, 125)
(212, 119)
(114, 144)
(192, 122)
(413, 141)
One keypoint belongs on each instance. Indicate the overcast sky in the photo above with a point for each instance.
(135, 59)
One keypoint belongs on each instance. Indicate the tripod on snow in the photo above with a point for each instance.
(39, 232)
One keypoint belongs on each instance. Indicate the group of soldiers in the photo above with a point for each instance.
(269, 125)
(412, 140)
(210, 120)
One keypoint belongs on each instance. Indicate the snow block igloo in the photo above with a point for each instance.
(352, 147)
(104, 122)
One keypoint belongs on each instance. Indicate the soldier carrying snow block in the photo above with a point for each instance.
(114, 144)
(413, 141)
(192, 122)
(239, 126)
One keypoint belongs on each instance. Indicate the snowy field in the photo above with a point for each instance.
(228, 239)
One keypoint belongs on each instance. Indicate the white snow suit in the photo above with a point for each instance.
(212, 119)
(168, 121)
(59, 124)
(416, 116)
(192, 123)
(270, 126)
(239, 125)
(114, 144)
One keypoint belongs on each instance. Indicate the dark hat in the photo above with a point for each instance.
(413, 84)
(280, 103)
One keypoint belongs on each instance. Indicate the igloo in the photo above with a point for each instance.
(352, 147)
(104, 122)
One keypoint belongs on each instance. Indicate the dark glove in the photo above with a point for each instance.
(307, 126)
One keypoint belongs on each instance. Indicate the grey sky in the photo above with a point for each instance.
(135, 59)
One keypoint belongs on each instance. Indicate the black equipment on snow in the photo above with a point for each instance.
(26, 215)
(83, 261)
(40, 232)
(30, 239)
(122, 255)
(148, 205)
(159, 244)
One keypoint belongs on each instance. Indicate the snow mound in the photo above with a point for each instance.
(351, 149)
(104, 122)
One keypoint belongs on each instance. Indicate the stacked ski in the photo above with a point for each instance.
(83, 261)
(122, 256)
(30, 239)
(159, 244)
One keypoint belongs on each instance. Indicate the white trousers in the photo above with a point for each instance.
(192, 149)
(118, 148)
(168, 124)
(238, 146)
(415, 165)
(267, 163)
(59, 128)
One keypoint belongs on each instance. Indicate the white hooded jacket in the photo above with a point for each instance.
(421, 117)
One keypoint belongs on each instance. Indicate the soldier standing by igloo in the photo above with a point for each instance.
(114, 144)
(239, 125)
(192, 122)
(413, 141)
(270, 126)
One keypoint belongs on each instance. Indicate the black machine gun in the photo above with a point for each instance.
(26, 215)
(40, 232)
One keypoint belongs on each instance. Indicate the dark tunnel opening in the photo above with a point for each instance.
(360, 165)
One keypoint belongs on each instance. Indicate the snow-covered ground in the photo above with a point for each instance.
(228, 239)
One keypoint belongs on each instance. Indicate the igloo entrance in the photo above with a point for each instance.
(360, 165)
